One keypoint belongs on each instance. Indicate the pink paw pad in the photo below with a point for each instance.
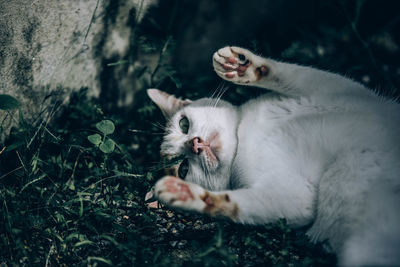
(177, 186)
(231, 60)
(228, 67)
(230, 75)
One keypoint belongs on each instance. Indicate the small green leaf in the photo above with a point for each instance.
(99, 259)
(73, 236)
(107, 146)
(94, 139)
(71, 184)
(33, 181)
(84, 243)
(103, 214)
(117, 63)
(105, 126)
(109, 238)
(8, 102)
(14, 146)
(284, 252)
(81, 205)
(16, 231)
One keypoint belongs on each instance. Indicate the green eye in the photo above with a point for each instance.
(183, 169)
(184, 125)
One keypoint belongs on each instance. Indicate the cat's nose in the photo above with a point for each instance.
(198, 145)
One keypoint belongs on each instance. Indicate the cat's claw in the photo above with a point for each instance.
(239, 65)
(177, 193)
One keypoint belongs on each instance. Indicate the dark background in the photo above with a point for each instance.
(354, 38)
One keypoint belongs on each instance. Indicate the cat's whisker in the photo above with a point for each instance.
(216, 91)
(168, 122)
(215, 95)
(161, 165)
(159, 126)
(221, 92)
(144, 132)
(211, 104)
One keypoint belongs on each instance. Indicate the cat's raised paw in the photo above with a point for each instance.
(177, 193)
(239, 65)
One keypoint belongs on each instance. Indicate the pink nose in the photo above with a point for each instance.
(198, 145)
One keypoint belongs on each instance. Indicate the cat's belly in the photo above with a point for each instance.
(280, 138)
(271, 145)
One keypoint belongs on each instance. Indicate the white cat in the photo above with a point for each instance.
(325, 153)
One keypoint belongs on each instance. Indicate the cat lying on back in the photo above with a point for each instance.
(325, 153)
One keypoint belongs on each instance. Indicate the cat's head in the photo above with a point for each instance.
(203, 133)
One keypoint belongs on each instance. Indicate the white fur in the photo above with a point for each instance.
(325, 152)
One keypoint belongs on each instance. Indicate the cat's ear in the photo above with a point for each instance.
(168, 104)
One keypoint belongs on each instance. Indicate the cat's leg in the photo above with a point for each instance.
(244, 205)
(241, 66)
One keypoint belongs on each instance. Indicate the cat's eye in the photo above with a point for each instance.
(184, 125)
(183, 169)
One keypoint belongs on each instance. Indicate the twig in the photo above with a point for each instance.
(20, 159)
(5, 175)
(121, 62)
(48, 255)
(91, 21)
(111, 177)
(353, 25)
(52, 135)
(8, 216)
(64, 162)
(75, 165)
(162, 52)
(36, 133)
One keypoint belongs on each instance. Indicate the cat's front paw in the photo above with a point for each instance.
(239, 65)
(177, 193)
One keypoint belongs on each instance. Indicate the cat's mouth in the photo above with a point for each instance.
(209, 157)
(211, 154)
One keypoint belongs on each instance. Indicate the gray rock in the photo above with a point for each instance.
(50, 48)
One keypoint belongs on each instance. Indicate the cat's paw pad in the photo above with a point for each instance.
(177, 193)
(239, 65)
